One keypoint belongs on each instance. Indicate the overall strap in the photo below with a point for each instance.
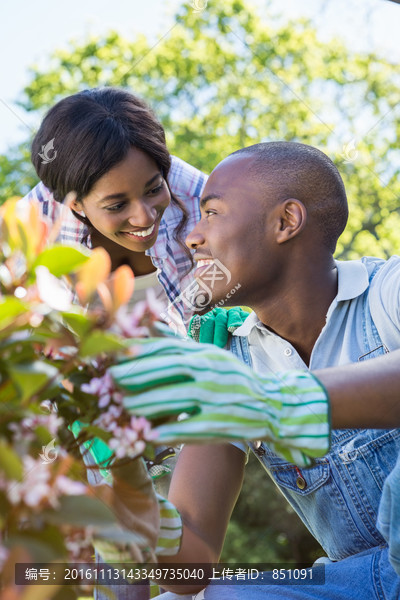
(239, 346)
(373, 344)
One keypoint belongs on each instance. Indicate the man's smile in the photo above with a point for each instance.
(203, 262)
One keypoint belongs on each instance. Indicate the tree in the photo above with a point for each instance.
(226, 77)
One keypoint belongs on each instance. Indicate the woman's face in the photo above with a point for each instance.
(127, 203)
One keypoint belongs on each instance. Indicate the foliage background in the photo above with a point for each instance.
(230, 76)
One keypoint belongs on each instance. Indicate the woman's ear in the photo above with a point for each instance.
(76, 205)
(293, 218)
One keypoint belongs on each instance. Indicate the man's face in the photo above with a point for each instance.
(236, 230)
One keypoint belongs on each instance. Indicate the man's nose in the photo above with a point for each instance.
(142, 214)
(194, 239)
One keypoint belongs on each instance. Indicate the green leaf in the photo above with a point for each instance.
(29, 378)
(80, 324)
(43, 435)
(8, 393)
(10, 462)
(44, 544)
(99, 341)
(81, 511)
(10, 308)
(61, 260)
(4, 508)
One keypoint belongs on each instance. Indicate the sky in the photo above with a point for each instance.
(31, 31)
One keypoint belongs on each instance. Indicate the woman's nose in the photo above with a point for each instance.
(142, 215)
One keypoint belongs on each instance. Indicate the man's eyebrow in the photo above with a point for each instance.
(123, 195)
(204, 201)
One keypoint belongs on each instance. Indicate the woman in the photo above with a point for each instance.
(132, 197)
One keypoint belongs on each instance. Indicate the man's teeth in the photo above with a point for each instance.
(204, 262)
(143, 233)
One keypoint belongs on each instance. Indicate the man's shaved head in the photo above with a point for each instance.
(294, 170)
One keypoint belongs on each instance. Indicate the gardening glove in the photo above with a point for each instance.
(215, 326)
(132, 499)
(149, 524)
(221, 399)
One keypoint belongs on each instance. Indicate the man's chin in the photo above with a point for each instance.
(214, 303)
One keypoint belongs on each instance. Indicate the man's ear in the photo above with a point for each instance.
(292, 219)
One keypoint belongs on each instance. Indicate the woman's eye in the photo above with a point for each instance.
(156, 189)
(210, 212)
(115, 207)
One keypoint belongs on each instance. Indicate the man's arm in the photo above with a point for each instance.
(365, 394)
(204, 488)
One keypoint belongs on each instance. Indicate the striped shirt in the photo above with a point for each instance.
(173, 264)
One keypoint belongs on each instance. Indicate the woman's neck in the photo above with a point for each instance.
(139, 262)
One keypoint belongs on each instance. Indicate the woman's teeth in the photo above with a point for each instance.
(143, 233)
(204, 262)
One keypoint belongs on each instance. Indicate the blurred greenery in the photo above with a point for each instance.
(229, 77)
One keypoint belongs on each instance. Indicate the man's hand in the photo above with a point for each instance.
(221, 399)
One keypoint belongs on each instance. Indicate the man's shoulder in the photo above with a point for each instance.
(384, 301)
(380, 269)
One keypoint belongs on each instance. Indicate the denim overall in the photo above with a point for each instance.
(338, 501)
(338, 498)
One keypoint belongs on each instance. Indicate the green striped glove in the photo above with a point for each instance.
(215, 326)
(222, 399)
(154, 521)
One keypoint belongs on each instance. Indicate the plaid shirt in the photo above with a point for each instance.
(174, 268)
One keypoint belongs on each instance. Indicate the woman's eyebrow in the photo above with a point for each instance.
(153, 179)
(123, 195)
(120, 196)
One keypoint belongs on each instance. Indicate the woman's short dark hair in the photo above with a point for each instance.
(93, 131)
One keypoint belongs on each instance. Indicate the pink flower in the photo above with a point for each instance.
(143, 427)
(130, 441)
(4, 553)
(34, 487)
(69, 487)
(24, 430)
(133, 322)
(107, 420)
(104, 388)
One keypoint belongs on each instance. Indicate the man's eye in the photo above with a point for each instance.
(210, 212)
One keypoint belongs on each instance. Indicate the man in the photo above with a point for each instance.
(271, 214)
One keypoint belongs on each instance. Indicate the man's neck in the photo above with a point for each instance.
(298, 313)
